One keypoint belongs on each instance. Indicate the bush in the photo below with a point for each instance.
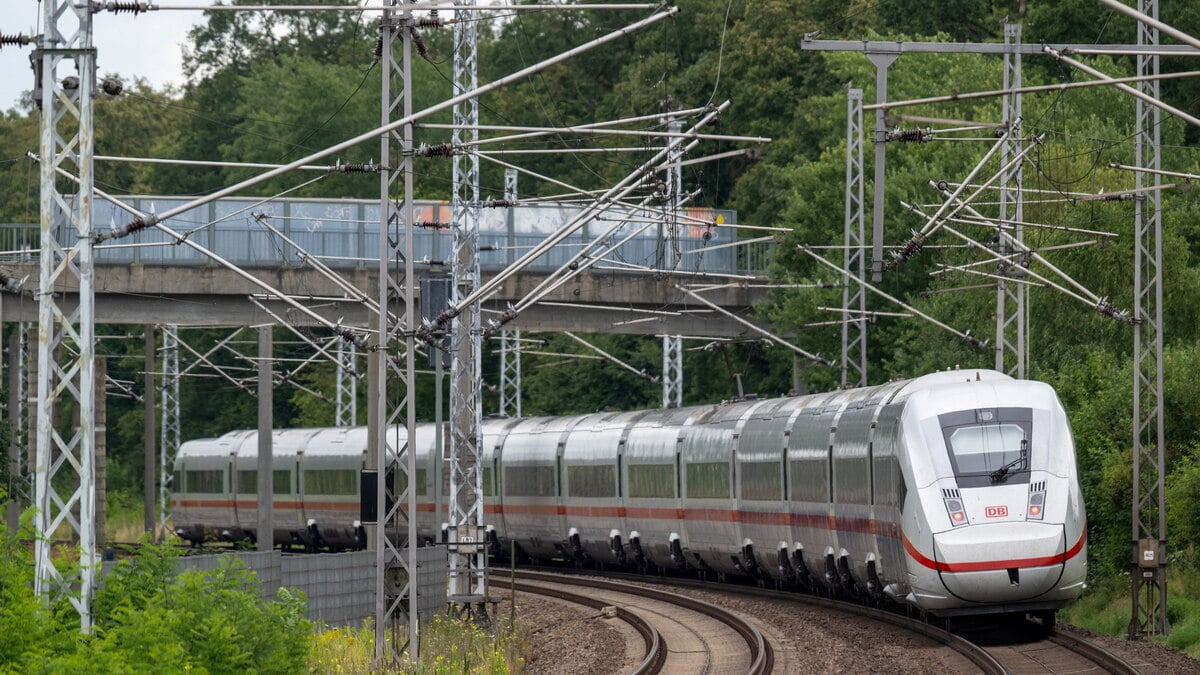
(147, 619)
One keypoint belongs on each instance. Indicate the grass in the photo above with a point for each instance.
(448, 646)
(1105, 608)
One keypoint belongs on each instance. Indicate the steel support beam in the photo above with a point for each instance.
(468, 563)
(18, 492)
(510, 341)
(346, 412)
(1011, 327)
(395, 529)
(672, 371)
(66, 461)
(169, 434)
(854, 296)
(1148, 573)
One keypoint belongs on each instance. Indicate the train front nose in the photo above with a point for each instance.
(1001, 562)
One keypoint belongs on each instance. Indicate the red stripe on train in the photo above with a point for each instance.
(993, 565)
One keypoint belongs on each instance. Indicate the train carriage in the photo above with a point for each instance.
(954, 493)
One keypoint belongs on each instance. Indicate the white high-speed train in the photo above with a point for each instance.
(955, 493)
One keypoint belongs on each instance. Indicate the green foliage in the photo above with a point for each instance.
(147, 619)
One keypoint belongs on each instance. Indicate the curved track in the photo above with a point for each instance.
(695, 636)
(1017, 649)
(1028, 650)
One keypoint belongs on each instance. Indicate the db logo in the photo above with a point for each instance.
(995, 511)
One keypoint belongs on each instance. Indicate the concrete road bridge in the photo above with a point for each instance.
(146, 278)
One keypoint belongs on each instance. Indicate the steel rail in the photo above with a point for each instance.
(656, 646)
(762, 655)
(1092, 652)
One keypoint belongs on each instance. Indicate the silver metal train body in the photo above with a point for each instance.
(955, 493)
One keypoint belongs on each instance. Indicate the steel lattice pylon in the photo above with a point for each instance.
(1149, 570)
(510, 373)
(67, 137)
(510, 341)
(169, 434)
(20, 488)
(396, 565)
(1011, 327)
(854, 297)
(468, 563)
(346, 412)
(672, 371)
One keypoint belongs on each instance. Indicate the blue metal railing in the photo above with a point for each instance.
(345, 234)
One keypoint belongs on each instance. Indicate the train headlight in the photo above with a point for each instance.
(958, 516)
(1037, 503)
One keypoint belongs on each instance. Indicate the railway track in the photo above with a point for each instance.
(682, 634)
(1017, 650)
(1028, 650)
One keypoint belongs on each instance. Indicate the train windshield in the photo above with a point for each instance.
(988, 446)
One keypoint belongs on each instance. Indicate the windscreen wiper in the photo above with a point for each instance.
(1002, 473)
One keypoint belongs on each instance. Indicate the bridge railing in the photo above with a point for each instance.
(344, 233)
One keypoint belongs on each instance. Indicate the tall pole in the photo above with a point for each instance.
(882, 61)
(854, 296)
(149, 426)
(169, 434)
(510, 341)
(1011, 328)
(1148, 574)
(468, 563)
(395, 530)
(67, 137)
(264, 528)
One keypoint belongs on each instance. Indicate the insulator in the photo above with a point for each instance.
(378, 52)
(911, 247)
(118, 7)
(369, 167)
(70, 83)
(431, 225)
(431, 22)
(112, 86)
(917, 135)
(498, 203)
(422, 50)
(13, 40)
(439, 150)
(135, 225)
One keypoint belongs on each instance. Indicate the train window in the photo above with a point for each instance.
(177, 482)
(810, 479)
(987, 445)
(331, 482)
(489, 482)
(708, 480)
(211, 482)
(761, 481)
(281, 482)
(592, 481)
(247, 482)
(529, 481)
(651, 481)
